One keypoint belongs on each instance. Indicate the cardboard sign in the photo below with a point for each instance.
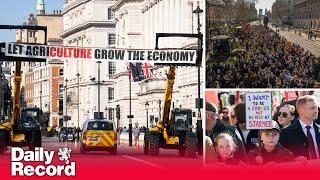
(258, 110)
(101, 54)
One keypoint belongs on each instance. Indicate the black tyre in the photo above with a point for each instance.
(154, 144)
(3, 145)
(114, 151)
(146, 143)
(35, 140)
(191, 145)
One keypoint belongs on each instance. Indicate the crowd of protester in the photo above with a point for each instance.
(269, 61)
(293, 135)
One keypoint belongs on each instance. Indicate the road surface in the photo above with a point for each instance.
(127, 156)
(312, 45)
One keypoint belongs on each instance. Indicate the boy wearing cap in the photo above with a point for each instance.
(270, 150)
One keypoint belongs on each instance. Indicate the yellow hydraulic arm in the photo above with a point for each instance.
(13, 126)
(168, 95)
(16, 96)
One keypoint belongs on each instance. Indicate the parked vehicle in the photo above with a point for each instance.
(67, 134)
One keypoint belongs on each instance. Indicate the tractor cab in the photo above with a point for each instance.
(220, 47)
(30, 118)
(181, 120)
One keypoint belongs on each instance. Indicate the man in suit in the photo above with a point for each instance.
(302, 137)
(214, 127)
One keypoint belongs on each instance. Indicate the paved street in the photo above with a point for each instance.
(312, 45)
(126, 156)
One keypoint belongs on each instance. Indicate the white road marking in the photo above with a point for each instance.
(145, 162)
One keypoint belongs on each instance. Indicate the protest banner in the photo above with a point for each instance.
(101, 54)
(258, 110)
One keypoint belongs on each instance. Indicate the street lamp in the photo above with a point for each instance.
(66, 117)
(99, 62)
(147, 109)
(78, 77)
(198, 11)
(98, 114)
(159, 101)
(40, 99)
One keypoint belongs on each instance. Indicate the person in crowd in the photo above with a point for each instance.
(269, 150)
(225, 117)
(233, 120)
(214, 127)
(302, 137)
(285, 115)
(269, 61)
(57, 131)
(210, 153)
(249, 137)
(226, 147)
(136, 134)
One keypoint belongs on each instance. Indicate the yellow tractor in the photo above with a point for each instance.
(24, 127)
(174, 130)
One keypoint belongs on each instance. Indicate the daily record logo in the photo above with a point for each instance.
(25, 168)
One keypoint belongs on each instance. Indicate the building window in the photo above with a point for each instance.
(110, 14)
(110, 93)
(112, 39)
(111, 113)
(60, 89)
(112, 68)
(60, 72)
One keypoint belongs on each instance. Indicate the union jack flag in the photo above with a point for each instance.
(140, 71)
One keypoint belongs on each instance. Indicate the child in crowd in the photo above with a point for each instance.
(225, 148)
(270, 150)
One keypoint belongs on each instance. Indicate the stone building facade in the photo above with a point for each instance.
(307, 14)
(137, 22)
(299, 13)
(41, 82)
(87, 23)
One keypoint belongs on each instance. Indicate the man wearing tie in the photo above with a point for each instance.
(303, 136)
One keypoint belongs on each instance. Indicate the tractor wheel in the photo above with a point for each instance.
(3, 145)
(154, 144)
(146, 143)
(35, 140)
(191, 145)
